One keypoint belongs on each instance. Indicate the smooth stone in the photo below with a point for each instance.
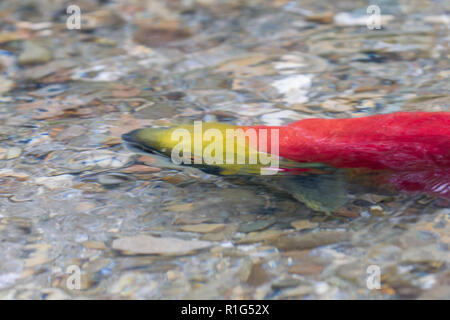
(336, 106)
(56, 182)
(113, 179)
(355, 272)
(144, 244)
(303, 224)
(306, 268)
(10, 153)
(256, 226)
(312, 240)
(5, 85)
(267, 235)
(97, 245)
(377, 210)
(139, 168)
(326, 17)
(258, 275)
(34, 54)
(203, 227)
(285, 283)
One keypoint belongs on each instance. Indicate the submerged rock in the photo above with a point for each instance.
(256, 226)
(311, 240)
(143, 244)
(5, 85)
(10, 153)
(34, 53)
(204, 227)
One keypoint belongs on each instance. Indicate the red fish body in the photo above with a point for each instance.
(414, 147)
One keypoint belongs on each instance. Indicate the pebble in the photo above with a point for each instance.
(256, 226)
(267, 235)
(384, 252)
(326, 17)
(353, 272)
(294, 88)
(182, 207)
(297, 254)
(155, 35)
(97, 245)
(98, 158)
(127, 284)
(69, 133)
(377, 210)
(33, 53)
(143, 244)
(38, 256)
(101, 18)
(362, 203)
(429, 254)
(203, 227)
(5, 85)
(7, 279)
(21, 176)
(285, 283)
(56, 182)
(138, 168)
(336, 106)
(258, 275)
(6, 37)
(347, 19)
(148, 160)
(303, 224)
(279, 118)
(306, 268)
(295, 292)
(112, 179)
(311, 240)
(321, 287)
(442, 19)
(10, 153)
(225, 235)
(255, 274)
(55, 294)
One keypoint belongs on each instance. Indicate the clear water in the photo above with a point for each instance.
(71, 187)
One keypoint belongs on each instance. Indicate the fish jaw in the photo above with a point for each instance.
(149, 139)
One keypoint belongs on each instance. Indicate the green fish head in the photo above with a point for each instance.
(149, 139)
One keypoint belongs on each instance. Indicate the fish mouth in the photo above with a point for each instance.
(132, 141)
(131, 136)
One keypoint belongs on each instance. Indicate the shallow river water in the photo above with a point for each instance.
(75, 201)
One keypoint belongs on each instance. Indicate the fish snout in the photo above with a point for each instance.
(131, 136)
(147, 139)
